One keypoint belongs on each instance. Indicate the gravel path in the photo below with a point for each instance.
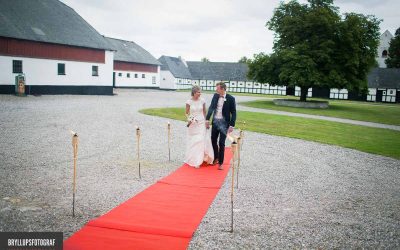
(292, 193)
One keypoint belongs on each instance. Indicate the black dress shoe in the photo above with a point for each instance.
(215, 161)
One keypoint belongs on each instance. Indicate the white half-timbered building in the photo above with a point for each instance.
(174, 73)
(384, 85)
(134, 67)
(207, 74)
(56, 50)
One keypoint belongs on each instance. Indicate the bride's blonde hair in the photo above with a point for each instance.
(195, 89)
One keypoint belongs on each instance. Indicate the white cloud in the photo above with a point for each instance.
(221, 30)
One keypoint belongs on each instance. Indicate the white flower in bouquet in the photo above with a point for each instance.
(191, 119)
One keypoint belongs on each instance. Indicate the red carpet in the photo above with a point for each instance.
(163, 216)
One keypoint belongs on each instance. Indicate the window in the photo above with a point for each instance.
(384, 53)
(136, 76)
(128, 75)
(143, 76)
(61, 69)
(119, 74)
(153, 79)
(17, 66)
(95, 70)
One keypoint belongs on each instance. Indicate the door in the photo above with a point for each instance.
(379, 94)
(398, 96)
(290, 91)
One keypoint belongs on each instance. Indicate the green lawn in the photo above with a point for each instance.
(372, 140)
(361, 111)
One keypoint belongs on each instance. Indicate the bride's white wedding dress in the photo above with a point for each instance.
(198, 147)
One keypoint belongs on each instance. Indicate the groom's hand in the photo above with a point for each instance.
(230, 129)
(207, 124)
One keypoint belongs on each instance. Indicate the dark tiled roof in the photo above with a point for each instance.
(384, 78)
(128, 51)
(218, 71)
(47, 21)
(176, 66)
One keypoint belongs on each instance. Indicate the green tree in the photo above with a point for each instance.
(244, 59)
(315, 46)
(393, 60)
(205, 59)
(266, 68)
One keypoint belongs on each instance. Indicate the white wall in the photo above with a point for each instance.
(371, 95)
(45, 72)
(151, 80)
(297, 92)
(338, 94)
(389, 95)
(167, 80)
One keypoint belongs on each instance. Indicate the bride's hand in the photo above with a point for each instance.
(207, 124)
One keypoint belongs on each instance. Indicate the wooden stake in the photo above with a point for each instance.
(169, 142)
(234, 150)
(241, 135)
(239, 141)
(75, 142)
(138, 148)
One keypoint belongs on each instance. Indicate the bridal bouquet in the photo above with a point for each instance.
(190, 120)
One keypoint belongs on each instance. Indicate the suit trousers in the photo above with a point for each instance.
(219, 129)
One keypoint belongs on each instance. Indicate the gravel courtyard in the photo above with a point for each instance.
(292, 193)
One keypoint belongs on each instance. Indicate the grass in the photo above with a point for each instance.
(361, 111)
(371, 140)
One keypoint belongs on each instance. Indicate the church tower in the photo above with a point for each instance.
(383, 48)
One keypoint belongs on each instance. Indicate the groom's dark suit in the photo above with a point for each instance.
(220, 126)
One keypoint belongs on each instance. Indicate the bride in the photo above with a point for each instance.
(198, 148)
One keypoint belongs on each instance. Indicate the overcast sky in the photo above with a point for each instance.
(221, 30)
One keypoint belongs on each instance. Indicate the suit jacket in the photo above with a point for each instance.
(228, 109)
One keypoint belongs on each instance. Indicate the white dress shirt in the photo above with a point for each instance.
(220, 104)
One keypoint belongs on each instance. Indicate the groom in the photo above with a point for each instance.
(223, 107)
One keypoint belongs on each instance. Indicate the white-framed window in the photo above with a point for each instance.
(371, 95)
(17, 66)
(61, 68)
(95, 70)
(153, 80)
